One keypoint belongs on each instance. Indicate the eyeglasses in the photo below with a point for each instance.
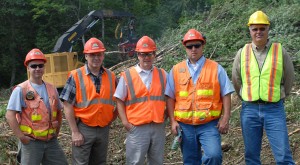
(262, 29)
(34, 66)
(144, 55)
(191, 46)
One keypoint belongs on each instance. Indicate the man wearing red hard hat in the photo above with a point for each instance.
(34, 113)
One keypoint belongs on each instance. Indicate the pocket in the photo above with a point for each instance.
(54, 124)
(132, 129)
(184, 106)
(203, 105)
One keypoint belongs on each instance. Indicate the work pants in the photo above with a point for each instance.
(271, 117)
(198, 137)
(38, 152)
(94, 149)
(143, 141)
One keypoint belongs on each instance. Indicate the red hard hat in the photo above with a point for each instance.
(93, 45)
(145, 44)
(34, 54)
(193, 35)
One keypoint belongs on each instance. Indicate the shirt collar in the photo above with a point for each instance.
(200, 62)
(266, 46)
(139, 69)
(87, 70)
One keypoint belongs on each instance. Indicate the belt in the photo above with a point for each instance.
(259, 102)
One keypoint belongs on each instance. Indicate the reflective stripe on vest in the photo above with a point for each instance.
(264, 84)
(37, 133)
(197, 103)
(85, 102)
(143, 99)
(39, 117)
(197, 114)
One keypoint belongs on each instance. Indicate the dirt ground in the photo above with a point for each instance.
(232, 143)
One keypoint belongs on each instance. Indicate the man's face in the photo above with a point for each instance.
(259, 34)
(95, 60)
(146, 60)
(194, 50)
(36, 69)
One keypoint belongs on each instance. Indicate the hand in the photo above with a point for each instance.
(223, 125)
(25, 139)
(128, 126)
(174, 126)
(77, 139)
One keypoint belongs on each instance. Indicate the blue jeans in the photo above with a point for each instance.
(197, 137)
(271, 117)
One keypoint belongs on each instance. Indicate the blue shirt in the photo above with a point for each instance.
(16, 101)
(226, 86)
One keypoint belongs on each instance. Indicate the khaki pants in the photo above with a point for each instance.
(94, 149)
(145, 141)
(38, 152)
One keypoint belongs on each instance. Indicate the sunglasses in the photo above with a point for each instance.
(34, 66)
(144, 55)
(260, 29)
(191, 46)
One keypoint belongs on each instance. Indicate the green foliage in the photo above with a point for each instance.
(226, 30)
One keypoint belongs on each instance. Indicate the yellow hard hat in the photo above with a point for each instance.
(258, 17)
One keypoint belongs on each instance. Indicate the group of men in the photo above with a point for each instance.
(195, 95)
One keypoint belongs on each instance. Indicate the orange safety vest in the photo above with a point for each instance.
(142, 105)
(36, 120)
(261, 83)
(94, 109)
(199, 103)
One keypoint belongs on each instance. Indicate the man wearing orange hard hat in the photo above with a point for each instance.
(263, 76)
(198, 101)
(89, 106)
(141, 105)
(34, 113)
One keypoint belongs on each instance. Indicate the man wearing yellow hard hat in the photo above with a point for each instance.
(262, 76)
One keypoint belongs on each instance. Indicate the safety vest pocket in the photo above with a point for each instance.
(33, 104)
(184, 106)
(203, 105)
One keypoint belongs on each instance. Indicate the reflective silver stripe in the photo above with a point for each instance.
(110, 83)
(85, 103)
(94, 101)
(82, 86)
(161, 78)
(134, 99)
(130, 84)
(157, 98)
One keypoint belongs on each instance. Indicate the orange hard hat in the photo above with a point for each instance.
(34, 54)
(193, 35)
(145, 44)
(93, 45)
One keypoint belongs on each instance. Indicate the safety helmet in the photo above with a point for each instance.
(193, 35)
(34, 54)
(145, 44)
(93, 45)
(258, 17)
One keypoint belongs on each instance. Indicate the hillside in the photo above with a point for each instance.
(225, 27)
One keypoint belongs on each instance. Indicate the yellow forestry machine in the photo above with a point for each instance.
(63, 60)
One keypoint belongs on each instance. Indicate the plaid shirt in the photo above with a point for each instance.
(69, 91)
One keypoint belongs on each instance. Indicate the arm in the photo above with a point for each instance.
(59, 119)
(122, 114)
(223, 124)
(171, 107)
(236, 78)
(77, 138)
(14, 125)
(288, 72)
